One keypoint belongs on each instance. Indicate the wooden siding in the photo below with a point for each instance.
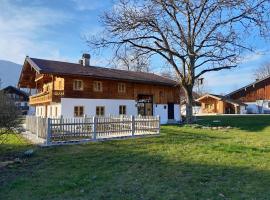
(258, 91)
(161, 94)
(218, 106)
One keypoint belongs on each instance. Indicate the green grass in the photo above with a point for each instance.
(182, 163)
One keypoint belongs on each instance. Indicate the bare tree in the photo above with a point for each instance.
(10, 116)
(195, 37)
(262, 72)
(131, 60)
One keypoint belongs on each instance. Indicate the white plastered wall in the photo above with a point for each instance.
(66, 108)
(111, 106)
(162, 111)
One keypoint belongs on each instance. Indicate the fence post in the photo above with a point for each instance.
(95, 127)
(132, 125)
(61, 124)
(37, 125)
(158, 117)
(48, 131)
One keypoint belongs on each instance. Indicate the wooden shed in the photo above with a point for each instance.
(218, 104)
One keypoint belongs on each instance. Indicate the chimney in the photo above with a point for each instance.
(85, 60)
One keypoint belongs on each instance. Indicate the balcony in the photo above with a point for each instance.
(46, 97)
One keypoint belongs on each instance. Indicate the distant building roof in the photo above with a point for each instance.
(247, 86)
(10, 89)
(221, 98)
(66, 68)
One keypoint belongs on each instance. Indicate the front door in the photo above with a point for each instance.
(145, 105)
(170, 111)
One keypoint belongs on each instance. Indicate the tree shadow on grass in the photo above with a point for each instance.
(12, 146)
(122, 170)
(236, 148)
(250, 123)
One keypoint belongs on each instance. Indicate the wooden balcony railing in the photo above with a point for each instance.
(46, 97)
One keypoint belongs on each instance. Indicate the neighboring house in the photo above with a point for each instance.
(218, 104)
(19, 97)
(75, 90)
(256, 95)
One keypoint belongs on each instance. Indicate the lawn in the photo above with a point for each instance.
(183, 163)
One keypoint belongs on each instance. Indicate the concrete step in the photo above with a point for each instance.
(172, 121)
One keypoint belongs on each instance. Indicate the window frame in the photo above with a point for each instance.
(122, 87)
(75, 86)
(56, 111)
(121, 109)
(96, 88)
(80, 111)
(98, 111)
(208, 106)
(51, 111)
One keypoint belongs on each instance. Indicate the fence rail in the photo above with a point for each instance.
(58, 130)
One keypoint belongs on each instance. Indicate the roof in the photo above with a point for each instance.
(249, 85)
(66, 68)
(222, 98)
(15, 90)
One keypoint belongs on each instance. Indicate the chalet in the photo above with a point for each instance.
(218, 104)
(19, 97)
(75, 90)
(256, 95)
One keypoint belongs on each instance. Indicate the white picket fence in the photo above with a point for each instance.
(63, 130)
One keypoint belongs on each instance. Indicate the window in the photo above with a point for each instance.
(208, 106)
(50, 110)
(97, 86)
(78, 111)
(100, 111)
(56, 114)
(122, 110)
(77, 85)
(121, 87)
(60, 85)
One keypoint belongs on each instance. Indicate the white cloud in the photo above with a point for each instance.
(21, 29)
(225, 81)
(254, 56)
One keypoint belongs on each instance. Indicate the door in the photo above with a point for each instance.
(145, 105)
(148, 109)
(170, 111)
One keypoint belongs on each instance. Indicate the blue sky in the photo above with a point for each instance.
(54, 29)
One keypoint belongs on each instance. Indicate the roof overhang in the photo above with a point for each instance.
(28, 74)
(207, 96)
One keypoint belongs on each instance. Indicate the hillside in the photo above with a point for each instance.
(9, 73)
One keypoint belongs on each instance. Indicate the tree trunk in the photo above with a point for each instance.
(189, 101)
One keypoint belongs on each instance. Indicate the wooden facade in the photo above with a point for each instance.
(51, 87)
(51, 90)
(216, 104)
